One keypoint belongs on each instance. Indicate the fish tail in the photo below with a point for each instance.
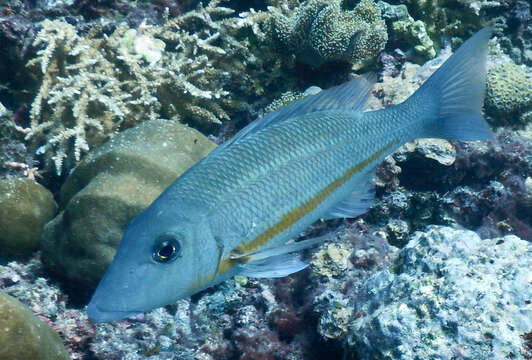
(452, 98)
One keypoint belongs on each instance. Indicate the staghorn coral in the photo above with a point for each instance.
(199, 67)
(79, 100)
(15, 159)
(318, 31)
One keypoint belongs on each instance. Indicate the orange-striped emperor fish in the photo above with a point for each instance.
(238, 210)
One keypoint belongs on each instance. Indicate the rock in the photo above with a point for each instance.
(25, 207)
(452, 295)
(425, 163)
(339, 270)
(334, 322)
(439, 150)
(23, 336)
(110, 187)
(332, 260)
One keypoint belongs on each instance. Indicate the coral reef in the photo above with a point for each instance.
(79, 99)
(113, 184)
(451, 294)
(515, 26)
(456, 19)
(98, 69)
(241, 321)
(339, 270)
(15, 158)
(318, 31)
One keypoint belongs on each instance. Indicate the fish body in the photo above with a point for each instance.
(236, 210)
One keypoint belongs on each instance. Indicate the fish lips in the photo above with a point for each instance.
(98, 314)
(102, 307)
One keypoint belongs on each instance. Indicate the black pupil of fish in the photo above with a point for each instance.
(166, 251)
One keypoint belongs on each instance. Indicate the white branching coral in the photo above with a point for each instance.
(199, 67)
(78, 94)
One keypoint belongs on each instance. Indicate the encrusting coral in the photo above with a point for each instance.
(197, 67)
(320, 31)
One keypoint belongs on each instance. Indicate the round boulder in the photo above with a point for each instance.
(23, 336)
(25, 207)
(108, 188)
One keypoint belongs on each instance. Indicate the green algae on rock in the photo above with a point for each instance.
(320, 31)
(406, 29)
(456, 19)
(25, 206)
(110, 187)
(23, 336)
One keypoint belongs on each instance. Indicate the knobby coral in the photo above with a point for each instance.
(319, 31)
(509, 94)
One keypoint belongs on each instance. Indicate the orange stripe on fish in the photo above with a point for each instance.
(297, 213)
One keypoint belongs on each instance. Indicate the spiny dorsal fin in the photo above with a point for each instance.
(351, 95)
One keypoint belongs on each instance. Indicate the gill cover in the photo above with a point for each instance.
(165, 254)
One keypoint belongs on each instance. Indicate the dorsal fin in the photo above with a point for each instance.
(351, 95)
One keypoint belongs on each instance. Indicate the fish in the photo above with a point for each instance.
(239, 210)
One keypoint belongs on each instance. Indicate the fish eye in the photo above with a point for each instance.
(166, 249)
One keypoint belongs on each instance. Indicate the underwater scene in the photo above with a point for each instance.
(265, 179)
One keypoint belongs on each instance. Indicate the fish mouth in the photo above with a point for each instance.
(100, 315)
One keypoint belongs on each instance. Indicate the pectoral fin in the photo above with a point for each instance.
(357, 202)
(276, 262)
(273, 267)
(280, 250)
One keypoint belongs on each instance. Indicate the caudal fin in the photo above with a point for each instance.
(455, 93)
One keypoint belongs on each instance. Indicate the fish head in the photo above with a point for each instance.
(165, 255)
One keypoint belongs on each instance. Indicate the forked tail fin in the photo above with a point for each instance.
(454, 94)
